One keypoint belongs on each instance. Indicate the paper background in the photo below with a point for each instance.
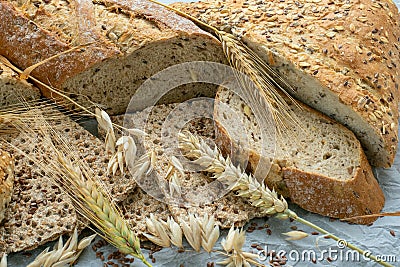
(376, 238)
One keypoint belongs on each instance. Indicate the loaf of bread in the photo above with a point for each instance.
(6, 181)
(13, 90)
(124, 43)
(341, 58)
(324, 170)
(39, 212)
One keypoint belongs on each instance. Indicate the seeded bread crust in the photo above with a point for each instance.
(6, 181)
(310, 176)
(342, 58)
(126, 43)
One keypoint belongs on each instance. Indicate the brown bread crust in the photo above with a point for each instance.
(352, 50)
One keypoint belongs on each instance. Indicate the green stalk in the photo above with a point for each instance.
(295, 217)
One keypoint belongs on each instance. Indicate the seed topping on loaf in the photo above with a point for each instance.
(349, 47)
(6, 181)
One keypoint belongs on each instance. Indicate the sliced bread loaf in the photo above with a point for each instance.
(6, 181)
(324, 170)
(342, 58)
(12, 90)
(39, 212)
(126, 42)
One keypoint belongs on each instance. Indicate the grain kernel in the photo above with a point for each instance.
(339, 28)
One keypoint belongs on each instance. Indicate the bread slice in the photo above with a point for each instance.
(341, 58)
(39, 212)
(129, 41)
(162, 120)
(323, 170)
(6, 181)
(12, 90)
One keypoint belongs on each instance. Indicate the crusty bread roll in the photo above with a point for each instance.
(126, 43)
(342, 58)
(6, 181)
(323, 170)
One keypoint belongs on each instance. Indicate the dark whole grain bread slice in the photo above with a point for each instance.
(39, 212)
(341, 58)
(6, 181)
(323, 170)
(126, 43)
(227, 209)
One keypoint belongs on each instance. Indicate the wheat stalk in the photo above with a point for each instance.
(384, 214)
(63, 255)
(246, 186)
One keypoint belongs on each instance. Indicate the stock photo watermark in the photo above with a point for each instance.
(338, 253)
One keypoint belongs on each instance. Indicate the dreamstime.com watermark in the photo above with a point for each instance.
(339, 253)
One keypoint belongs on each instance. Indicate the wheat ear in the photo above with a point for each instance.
(63, 254)
(247, 186)
(243, 184)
